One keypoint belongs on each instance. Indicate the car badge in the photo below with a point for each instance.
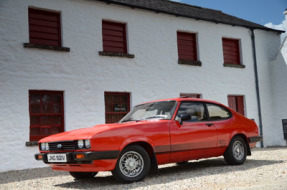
(59, 146)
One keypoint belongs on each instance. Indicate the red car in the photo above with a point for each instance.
(158, 132)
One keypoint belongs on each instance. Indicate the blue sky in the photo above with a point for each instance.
(258, 11)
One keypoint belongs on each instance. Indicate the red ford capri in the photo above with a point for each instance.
(153, 133)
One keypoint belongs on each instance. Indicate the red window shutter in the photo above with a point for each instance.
(117, 105)
(186, 44)
(114, 37)
(46, 113)
(231, 51)
(44, 27)
(187, 95)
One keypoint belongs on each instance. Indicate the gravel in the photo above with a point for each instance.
(265, 169)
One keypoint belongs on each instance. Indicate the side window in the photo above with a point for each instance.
(195, 109)
(46, 113)
(217, 112)
(117, 105)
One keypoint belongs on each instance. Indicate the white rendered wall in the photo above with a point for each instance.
(279, 89)
(267, 45)
(84, 76)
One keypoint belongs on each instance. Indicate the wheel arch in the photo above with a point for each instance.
(244, 137)
(148, 147)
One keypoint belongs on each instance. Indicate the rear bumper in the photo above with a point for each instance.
(255, 139)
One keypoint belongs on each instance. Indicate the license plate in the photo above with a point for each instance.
(57, 158)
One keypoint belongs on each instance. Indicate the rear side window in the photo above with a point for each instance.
(217, 112)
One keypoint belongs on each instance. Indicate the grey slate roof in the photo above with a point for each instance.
(189, 11)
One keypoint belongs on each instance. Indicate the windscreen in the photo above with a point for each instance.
(154, 110)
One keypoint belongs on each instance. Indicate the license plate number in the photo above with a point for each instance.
(57, 158)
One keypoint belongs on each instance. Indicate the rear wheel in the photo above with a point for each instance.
(182, 163)
(236, 152)
(133, 165)
(83, 175)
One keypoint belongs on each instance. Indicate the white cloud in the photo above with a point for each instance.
(282, 26)
(176, 0)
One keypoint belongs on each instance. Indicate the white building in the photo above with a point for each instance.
(278, 73)
(72, 64)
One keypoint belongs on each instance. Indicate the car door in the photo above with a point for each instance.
(191, 139)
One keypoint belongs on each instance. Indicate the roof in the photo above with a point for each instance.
(180, 99)
(188, 11)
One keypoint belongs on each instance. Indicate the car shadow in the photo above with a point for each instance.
(169, 173)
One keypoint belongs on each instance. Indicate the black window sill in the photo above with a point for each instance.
(38, 46)
(114, 54)
(189, 62)
(32, 143)
(233, 65)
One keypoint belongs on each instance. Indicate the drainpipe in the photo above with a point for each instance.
(257, 84)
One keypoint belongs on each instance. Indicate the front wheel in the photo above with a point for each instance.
(133, 165)
(236, 152)
(83, 175)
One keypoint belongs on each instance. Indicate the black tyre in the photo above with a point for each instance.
(83, 175)
(133, 165)
(182, 163)
(236, 152)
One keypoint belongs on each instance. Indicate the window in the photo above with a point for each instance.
(117, 105)
(231, 51)
(187, 95)
(114, 37)
(236, 103)
(195, 109)
(44, 27)
(46, 113)
(217, 112)
(186, 44)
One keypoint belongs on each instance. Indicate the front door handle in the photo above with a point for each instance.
(209, 124)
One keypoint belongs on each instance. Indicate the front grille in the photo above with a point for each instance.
(62, 145)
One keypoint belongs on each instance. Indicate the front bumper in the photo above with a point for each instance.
(79, 157)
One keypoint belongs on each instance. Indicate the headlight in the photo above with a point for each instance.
(84, 144)
(80, 143)
(87, 143)
(45, 146)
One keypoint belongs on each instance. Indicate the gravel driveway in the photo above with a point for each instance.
(265, 169)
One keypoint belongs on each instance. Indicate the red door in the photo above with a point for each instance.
(192, 138)
(236, 103)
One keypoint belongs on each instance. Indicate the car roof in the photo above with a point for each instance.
(182, 99)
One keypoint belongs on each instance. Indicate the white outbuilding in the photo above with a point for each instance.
(71, 64)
